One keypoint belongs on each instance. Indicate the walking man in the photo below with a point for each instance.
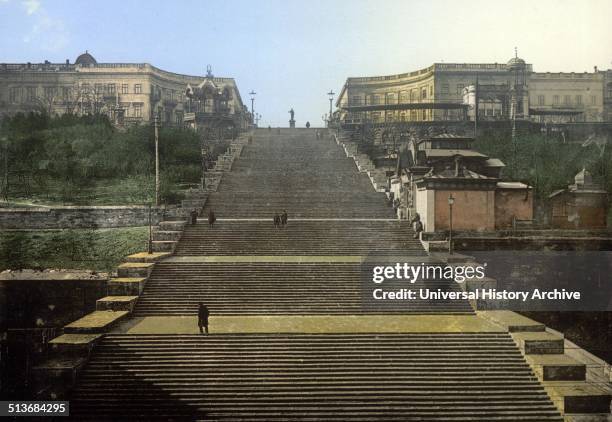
(417, 224)
(211, 218)
(283, 218)
(203, 318)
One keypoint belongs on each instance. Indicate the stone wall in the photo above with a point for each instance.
(79, 217)
(512, 204)
(34, 299)
(34, 305)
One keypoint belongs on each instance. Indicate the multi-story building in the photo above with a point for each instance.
(126, 92)
(453, 91)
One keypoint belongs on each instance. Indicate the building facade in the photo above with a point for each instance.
(582, 205)
(499, 91)
(129, 93)
(445, 166)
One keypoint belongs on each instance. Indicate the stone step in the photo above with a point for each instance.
(172, 225)
(161, 235)
(311, 377)
(95, 322)
(147, 257)
(116, 303)
(135, 269)
(74, 344)
(539, 343)
(273, 288)
(575, 397)
(513, 322)
(164, 245)
(193, 203)
(126, 286)
(557, 368)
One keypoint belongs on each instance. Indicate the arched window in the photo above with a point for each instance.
(227, 93)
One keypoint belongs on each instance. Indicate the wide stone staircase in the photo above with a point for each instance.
(341, 377)
(315, 268)
(265, 288)
(301, 237)
(295, 172)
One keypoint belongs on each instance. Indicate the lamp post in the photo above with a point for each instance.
(156, 124)
(252, 94)
(451, 202)
(150, 248)
(331, 99)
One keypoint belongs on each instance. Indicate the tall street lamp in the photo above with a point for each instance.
(150, 245)
(451, 202)
(331, 99)
(157, 183)
(252, 94)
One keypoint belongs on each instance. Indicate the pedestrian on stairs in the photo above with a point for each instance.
(203, 318)
(277, 221)
(283, 218)
(417, 224)
(211, 218)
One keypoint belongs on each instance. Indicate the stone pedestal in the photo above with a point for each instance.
(292, 124)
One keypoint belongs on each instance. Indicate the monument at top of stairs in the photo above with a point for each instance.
(292, 120)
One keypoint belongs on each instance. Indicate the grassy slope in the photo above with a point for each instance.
(99, 250)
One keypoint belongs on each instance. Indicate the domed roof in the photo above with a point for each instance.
(515, 62)
(85, 59)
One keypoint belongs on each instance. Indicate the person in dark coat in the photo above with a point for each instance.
(417, 224)
(277, 220)
(283, 218)
(203, 318)
(211, 218)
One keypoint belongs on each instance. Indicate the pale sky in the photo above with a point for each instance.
(292, 53)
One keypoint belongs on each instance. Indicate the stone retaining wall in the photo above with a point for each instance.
(30, 299)
(77, 217)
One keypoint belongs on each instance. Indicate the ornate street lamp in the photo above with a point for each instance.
(252, 94)
(331, 99)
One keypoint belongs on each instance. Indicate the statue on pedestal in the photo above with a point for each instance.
(292, 120)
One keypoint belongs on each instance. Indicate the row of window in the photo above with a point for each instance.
(413, 115)
(445, 89)
(391, 98)
(567, 100)
(412, 96)
(67, 92)
(111, 88)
